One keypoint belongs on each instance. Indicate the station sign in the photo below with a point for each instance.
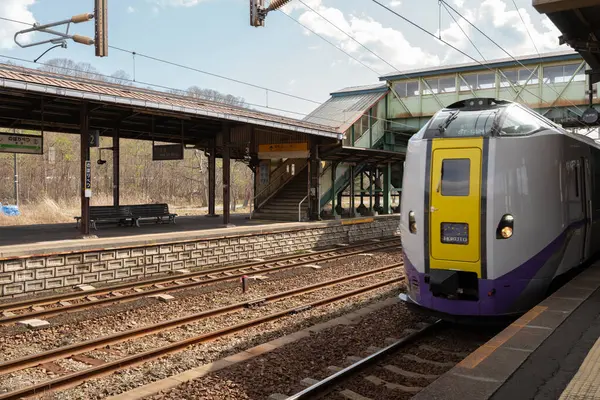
(283, 150)
(88, 178)
(27, 144)
(165, 152)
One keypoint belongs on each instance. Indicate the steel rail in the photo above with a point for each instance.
(93, 344)
(74, 378)
(325, 386)
(131, 296)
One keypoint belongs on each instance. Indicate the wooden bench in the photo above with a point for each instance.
(119, 214)
(151, 211)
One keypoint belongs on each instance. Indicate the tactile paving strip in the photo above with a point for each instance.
(586, 383)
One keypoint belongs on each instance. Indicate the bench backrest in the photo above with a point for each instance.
(149, 209)
(110, 212)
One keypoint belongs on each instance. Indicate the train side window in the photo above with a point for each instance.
(456, 175)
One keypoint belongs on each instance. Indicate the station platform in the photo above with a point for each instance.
(551, 352)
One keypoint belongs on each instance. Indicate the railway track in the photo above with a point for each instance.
(67, 302)
(100, 368)
(400, 370)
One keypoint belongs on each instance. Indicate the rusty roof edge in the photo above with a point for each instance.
(80, 94)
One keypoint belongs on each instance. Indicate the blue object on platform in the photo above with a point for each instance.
(10, 211)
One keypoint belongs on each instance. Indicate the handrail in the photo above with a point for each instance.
(300, 208)
(273, 181)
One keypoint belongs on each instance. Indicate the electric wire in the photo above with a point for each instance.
(462, 52)
(526, 28)
(177, 93)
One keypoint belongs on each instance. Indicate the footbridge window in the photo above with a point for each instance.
(563, 73)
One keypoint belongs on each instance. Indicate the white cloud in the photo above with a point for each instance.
(389, 43)
(19, 11)
(395, 3)
(130, 9)
(459, 3)
(292, 82)
(501, 22)
(177, 3)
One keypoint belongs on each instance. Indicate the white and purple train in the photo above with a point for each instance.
(497, 202)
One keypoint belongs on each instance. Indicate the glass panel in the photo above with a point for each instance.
(553, 74)
(471, 82)
(486, 81)
(467, 123)
(447, 85)
(570, 71)
(456, 177)
(412, 88)
(524, 75)
(519, 122)
(433, 84)
(511, 76)
(400, 88)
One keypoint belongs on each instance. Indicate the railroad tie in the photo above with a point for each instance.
(409, 374)
(420, 360)
(350, 395)
(333, 369)
(308, 382)
(392, 386)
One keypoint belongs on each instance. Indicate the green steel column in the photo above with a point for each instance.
(387, 185)
(333, 194)
(352, 135)
(362, 188)
(370, 128)
(352, 204)
(371, 183)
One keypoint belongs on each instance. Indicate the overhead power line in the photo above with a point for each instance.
(462, 52)
(526, 28)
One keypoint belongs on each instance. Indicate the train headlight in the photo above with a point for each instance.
(412, 223)
(505, 227)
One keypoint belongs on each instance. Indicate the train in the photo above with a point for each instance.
(498, 203)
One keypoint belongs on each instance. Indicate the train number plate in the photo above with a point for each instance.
(455, 233)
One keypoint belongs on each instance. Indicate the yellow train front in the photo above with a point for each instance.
(497, 202)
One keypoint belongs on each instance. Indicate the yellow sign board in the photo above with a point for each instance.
(357, 221)
(282, 147)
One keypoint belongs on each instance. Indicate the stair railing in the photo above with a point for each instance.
(277, 181)
(300, 208)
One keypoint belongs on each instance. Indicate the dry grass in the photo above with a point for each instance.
(49, 211)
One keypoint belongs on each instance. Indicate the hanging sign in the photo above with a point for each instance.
(283, 150)
(167, 152)
(27, 144)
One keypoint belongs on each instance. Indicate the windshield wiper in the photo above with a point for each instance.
(442, 127)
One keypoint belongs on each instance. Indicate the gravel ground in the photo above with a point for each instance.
(195, 329)
(212, 351)
(17, 341)
(449, 346)
(281, 370)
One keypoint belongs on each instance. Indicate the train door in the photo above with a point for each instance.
(455, 204)
(586, 205)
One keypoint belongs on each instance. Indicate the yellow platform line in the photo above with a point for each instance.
(483, 352)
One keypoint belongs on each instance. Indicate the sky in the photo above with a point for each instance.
(215, 36)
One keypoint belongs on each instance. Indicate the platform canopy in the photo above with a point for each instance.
(36, 100)
(579, 22)
(360, 155)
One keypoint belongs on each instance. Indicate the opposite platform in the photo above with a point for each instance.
(536, 356)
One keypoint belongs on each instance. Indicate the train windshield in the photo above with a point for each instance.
(456, 123)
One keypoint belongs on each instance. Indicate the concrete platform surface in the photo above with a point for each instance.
(537, 355)
(18, 241)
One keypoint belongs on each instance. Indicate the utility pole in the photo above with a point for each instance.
(258, 11)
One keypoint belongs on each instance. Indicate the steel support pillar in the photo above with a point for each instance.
(352, 208)
(333, 193)
(314, 197)
(84, 160)
(116, 167)
(375, 182)
(387, 188)
(362, 188)
(371, 184)
(212, 177)
(226, 176)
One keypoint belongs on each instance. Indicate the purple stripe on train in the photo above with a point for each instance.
(509, 289)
